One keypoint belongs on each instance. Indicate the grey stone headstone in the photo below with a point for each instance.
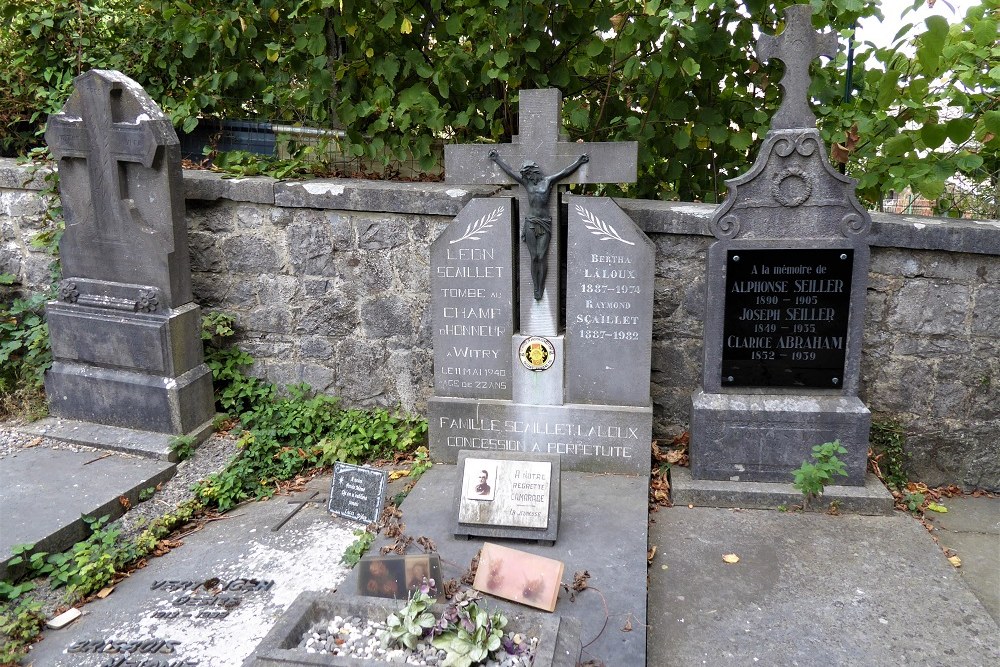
(125, 333)
(786, 285)
(609, 305)
(473, 300)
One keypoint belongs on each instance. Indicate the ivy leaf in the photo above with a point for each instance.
(933, 134)
(898, 145)
(741, 140)
(932, 43)
(960, 129)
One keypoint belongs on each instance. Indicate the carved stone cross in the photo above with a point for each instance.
(796, 47)
(100, 136)
(122, 194)
(539, 141)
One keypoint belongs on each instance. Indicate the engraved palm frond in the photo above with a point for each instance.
(597, 226)
(480, 226)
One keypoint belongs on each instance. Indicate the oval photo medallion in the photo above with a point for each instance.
(536, 353)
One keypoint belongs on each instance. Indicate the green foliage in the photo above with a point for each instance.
(812, 478)
(409, 624)
(679, 77)
(914, 501)
(88, 565)
(20, 625)
(471, 636)
(352, 555)
(919, 121)
(290, 430)
(25, 353)
(888, 442)
(182, 446)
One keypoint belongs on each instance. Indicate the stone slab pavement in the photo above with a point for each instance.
(809, 589)
(971, 527)
(45, 490)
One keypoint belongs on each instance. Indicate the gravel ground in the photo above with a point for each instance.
(211, 456)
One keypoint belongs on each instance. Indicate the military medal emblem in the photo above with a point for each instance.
(536, 353)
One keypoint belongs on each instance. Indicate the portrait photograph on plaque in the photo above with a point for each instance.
(398, 577)
(480, 480)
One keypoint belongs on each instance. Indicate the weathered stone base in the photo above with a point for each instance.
(589, 438)
(129, 399)
(101, 436)
(763, 438)
(558, 645)
(872, 498)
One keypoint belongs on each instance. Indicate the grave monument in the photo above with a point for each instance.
(786, 284)
(125, 332)
(528, 356)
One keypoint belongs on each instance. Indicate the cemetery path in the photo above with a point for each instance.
(810, 589)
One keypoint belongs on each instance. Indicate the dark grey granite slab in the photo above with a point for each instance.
(609, 305)
(45, 509)
(872, 498)
(473, 300)
(592, 438)
(763, 438)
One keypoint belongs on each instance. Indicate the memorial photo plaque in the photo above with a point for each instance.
(398, 577)
(786, 317)
(500, 495)
(357, 492)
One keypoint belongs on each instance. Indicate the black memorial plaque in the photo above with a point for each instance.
(357, 492)
(786, 317)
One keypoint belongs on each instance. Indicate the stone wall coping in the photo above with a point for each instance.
(653, 217)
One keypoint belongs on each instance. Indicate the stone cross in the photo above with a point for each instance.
(99, 136)
(796, 47)
(539, 141)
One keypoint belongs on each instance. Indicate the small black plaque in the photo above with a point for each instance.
(357, 492)
(786, 317)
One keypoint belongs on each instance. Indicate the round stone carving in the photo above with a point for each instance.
(536, 353)
(791, 187)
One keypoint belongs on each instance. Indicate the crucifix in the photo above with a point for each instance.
(796, 47)
(538, 160)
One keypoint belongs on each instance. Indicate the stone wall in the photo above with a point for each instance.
(329, 280)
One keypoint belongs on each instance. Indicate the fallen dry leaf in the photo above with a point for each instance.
(731, 558)
(955, 560)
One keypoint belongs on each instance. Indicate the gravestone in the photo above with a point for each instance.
(357, 492)
(518, 366)
(786, 284)
(125, 332)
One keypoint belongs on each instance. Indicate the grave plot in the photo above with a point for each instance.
(786, 285)
(211, 601)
